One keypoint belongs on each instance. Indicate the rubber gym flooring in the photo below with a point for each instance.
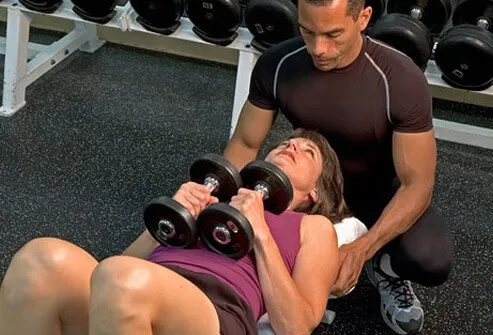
(102, 134)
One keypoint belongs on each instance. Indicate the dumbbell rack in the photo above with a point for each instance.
(26, 62)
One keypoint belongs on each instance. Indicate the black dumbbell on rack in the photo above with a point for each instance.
(215, 21)
(170, 223)
(271, 22)
(378, 7)
(225, 230)
(162, 17)
(411, 26)
(98, 11)
(42, 6)
(464, 53)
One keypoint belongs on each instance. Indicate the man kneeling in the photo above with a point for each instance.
(55, 287)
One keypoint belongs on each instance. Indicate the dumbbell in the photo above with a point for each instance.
(98, 11)
(170, 223)
(464, 54)
(43, 6)
(215, 21)
(159, 16)
(378, 7)
(225, 230)
(411, 26)
(271, 22)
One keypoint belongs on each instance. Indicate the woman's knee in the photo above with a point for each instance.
(34, 270)
(120, 280)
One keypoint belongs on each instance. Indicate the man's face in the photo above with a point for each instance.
(330, 34)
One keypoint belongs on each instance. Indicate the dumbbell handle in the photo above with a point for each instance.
(166, 229)
(221, 234)
(262, 189)
(417, 12)
(483, 23)
(211, 183)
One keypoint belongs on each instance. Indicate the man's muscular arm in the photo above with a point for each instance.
(257, 115)
(415, 161)
(414, 156)
(251, 131)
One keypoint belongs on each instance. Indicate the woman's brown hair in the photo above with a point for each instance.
(330, 185)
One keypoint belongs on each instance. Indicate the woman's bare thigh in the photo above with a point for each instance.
(170, 303)
(47, 283)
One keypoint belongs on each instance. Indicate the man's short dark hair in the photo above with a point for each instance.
(353, 9)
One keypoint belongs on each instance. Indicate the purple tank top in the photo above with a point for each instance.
(240, 275)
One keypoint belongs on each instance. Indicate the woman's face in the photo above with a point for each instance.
(302, 162)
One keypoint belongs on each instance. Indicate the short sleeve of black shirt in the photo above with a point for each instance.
(261, 92)
(410, 100)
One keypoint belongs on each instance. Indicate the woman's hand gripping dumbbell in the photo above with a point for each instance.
(171, 221)
(227, 229)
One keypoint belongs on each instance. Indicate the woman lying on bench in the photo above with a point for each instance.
(54, 287)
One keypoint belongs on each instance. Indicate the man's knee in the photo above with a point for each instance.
(424, 254)
(427, 270)
(34, 270)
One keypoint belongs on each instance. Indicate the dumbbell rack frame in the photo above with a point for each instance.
(26, 62)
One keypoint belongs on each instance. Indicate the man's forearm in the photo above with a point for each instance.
(288, 311)
(239, 154)
(405, 208)
(142, 246)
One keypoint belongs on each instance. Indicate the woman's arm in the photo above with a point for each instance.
(296, 304)
(142, 246)
(194, 197)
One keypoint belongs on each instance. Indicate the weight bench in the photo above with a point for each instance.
(347, 231)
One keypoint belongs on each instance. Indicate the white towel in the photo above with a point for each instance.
(348, 230)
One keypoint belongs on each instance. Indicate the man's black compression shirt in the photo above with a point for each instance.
(356, 108)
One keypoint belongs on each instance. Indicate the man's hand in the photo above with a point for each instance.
(251, 204)
(352, 259)
(195, 197)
